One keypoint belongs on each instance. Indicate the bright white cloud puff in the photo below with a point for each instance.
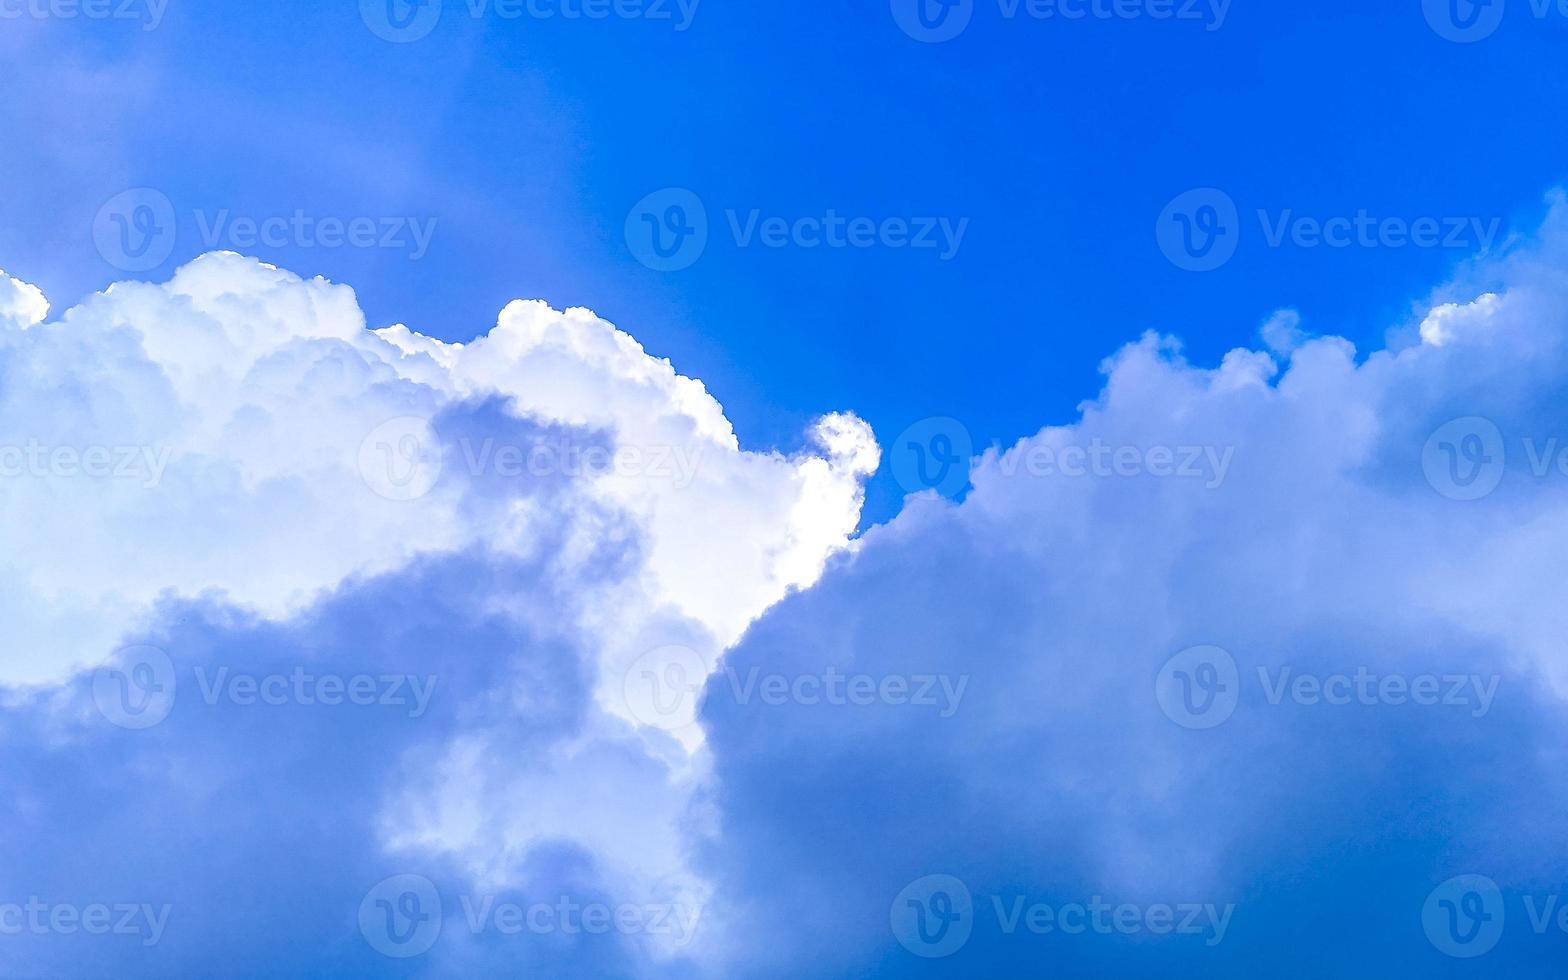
(1066, 692)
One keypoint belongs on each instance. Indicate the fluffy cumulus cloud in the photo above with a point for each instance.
(387, 656)
(202, 478)
(1248, 715)
(21, 302)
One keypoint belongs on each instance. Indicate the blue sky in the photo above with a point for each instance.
(1232, 339)
(527, 140)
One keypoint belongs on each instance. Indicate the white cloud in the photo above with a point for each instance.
(252, 444)
(235, 400)
(21, 302)
(1334, 543)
